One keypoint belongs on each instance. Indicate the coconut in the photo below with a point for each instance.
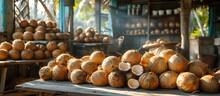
(47, 54)
(63, 58)
(88, 79)
(89, 67)
(130, 75)
(209, 84)
(48, 37)
(18, 44)
(178, 63)
(49, 24)
(17, 35)
(30, 29)
(149, 81)
(18, 29)
(116, 79)
(62, 46)
(56, 53)
(27, 35)
(54, 36)
(168, 80)
(85, 58)
(123, 66)
(60, 36)
(30, 45)
(23, 23)
(59, 72)
(51, 64)
(131, 56)
(41, 47)
(78, 76)
(99, 78)
(33, 23)
(40, 28)
(166, 54)
(27, 54)
(157, 64)
(73, 64)
(51, 45)
(3, 54)
(137, 69)
(56, 30)
(14, 54)
(39, 35)
(106, 40)
(110, 63)
(39, 54)
(6, 45)
(45, 73)
(198, 68)
(48, 30)
(41, 23)
(133, 83)
(187, 82)
(97, 57)
(54, 24)
(145, 58)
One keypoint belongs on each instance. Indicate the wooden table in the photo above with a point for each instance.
(3, 69)
(68, 88)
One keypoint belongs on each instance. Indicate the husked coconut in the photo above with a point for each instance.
(97, 57)
(131, 56)
(14, 54)
(3, 54)
(73, 64)
(99, 78)
(27, 54)
(59, 73)
(6, 45)
(18, 44)
(110, 63)
(116, 79)
(89, 67)
(45, 73)
(78, 76)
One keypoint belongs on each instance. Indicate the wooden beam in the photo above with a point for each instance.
(98, 15)
(9, 18)
(47, 11)
(186, 6)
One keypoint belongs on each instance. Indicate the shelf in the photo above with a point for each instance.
(132, 16)
(159, 16)
(136, 35)
(136, 28)
(164, 34)
(165, 2)
(157, 27)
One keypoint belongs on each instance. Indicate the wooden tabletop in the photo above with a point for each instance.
(69, 88)
(14, 62)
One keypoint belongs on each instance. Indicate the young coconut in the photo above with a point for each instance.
(145, 58)
(73, 64)
(59, 73)
(63, 58)
(99, 78)
(178, 63)
(18, 44)
(149, 81)
(6, 45)
(122, 66)
(27, 54)
(14, 54)
(116, 79)
(168, 80)
(3, 54)
(157, 64)
(209, 84)
(166, 54)
(97, 57)
(137, 70)
(131, 56)
(78, 76)
(133, 83)
(51, 64)
(45, 73)
(187, 82)
(85, 58)
(198, 68)
(89, 67)
(110, 63)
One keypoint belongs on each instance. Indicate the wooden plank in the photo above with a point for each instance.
(9, 18)
(184, 19)
(68, 87)
(15, 62)
(3, 71)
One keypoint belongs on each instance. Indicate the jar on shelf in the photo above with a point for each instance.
(133, 10)
(129, 10)
(138, 10)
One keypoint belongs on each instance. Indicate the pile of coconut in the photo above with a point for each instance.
(89, 35)
(18, 50)
(39, 30)
(165, 69)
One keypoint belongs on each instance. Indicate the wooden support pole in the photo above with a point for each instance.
(9, 16)
(3, 71)
(98, 15)
(184, 19)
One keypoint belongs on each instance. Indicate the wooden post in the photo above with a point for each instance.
(113, 8)
(98, 15)
(3, 71)
(184, 19)
(9, 18)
